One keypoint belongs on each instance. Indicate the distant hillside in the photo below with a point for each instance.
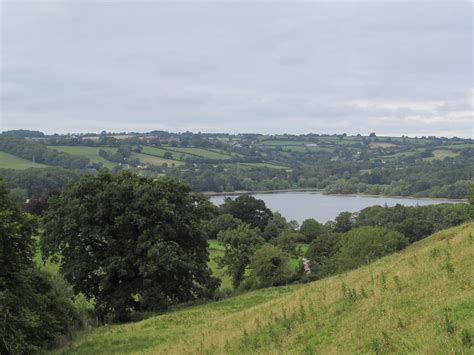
(420, 300)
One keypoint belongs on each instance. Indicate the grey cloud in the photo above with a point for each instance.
(239, 67)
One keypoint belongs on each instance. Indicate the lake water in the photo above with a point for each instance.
(299, 206)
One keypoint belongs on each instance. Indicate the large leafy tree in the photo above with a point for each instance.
(248, 209)
(129, 242)
(240, 244)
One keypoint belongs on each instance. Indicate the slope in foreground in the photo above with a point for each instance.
(420, 300)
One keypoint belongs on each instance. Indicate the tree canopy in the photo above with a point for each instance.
(248, 209)
(128, 242)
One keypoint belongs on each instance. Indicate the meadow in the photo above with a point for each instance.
(416, 301)
(200, 152)
(90, 152)
(9, 161)
(154, 160)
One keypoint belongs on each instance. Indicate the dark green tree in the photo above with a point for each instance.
(276, 224)
(321, 249)
(240, 244)
(344, 222)
(248, 209)
(129, 242)
(33, 309)
(220, 223)
(311, 229)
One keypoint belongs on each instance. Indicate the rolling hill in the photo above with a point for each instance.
(420, 300)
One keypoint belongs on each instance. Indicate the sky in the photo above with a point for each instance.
(394, 68)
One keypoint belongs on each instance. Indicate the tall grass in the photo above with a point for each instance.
(404, 303)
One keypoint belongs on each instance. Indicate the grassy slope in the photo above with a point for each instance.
(420, 300)
(8, 161)
(91, 152)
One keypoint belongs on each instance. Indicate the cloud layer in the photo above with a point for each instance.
(270, 67)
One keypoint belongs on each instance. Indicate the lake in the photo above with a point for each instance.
(299, 206)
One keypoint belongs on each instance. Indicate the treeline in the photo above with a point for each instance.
(39, 153)
(449, 178)
(23, 133)
(34, 182)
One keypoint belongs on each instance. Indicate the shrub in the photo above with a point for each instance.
(269, 266)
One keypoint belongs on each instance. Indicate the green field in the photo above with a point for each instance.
(263, 165)
(200, 152)
(440, 154)
(160, 152)
(90, 152)
(278, 142)
(8, 161)
(417, 301)
(154, 160)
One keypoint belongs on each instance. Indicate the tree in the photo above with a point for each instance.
(471, 194)
(129, 242)
(269, 266)
(322, 248)
(248, 209)
(344, 222)
(239, 243)
(287, 241)
(276, 224)
(365, 244)
(33, 309)
(168, 155)
(220, 223)
(311, 229)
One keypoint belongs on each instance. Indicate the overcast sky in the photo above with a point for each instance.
(396, 68)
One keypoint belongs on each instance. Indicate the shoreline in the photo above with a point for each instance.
(321, 191)
(250, 192)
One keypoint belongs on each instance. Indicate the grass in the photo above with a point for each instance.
(154, 160)
(9, 161)
(279, 142)
(263, 165)
(200, 152)
(417, 301)
(440, 154)
(381, 145)
(160, 152)
(91, 152)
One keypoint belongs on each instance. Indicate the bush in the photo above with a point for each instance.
(365, 244)
(269, 267)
